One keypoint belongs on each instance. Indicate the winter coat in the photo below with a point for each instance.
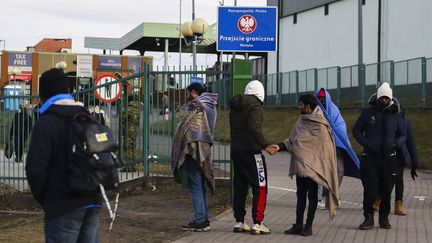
(47, 162)
(380, 132)
(408, 151)
(246, 118)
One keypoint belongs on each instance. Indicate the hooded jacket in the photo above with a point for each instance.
(380, 131)
(46, 161)
(246, 118)
(209, 101)
(408, 151)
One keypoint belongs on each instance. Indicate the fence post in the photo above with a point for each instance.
(297, 89)
(146, 120)
(279, 89)
(392, 74)
(362, 84)
(338, 80)
(423, 82)
(315, 79)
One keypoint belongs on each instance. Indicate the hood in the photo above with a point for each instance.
(394, 107)
(256, 88)
(327, 96)
(66, 108)
(240, 102)
(208, 99)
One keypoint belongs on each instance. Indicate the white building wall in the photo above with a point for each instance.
(408, 29)
(318, 41)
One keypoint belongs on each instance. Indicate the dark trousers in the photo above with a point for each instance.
(378, 174)
(247, 172)
(399, 183)
(306, 187)
(81, 225)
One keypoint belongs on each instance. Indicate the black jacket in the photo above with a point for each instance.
(246, 118)
(408, 151)
(46, 163)
(380, 132)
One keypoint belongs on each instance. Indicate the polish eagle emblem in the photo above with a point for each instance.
(247, 24)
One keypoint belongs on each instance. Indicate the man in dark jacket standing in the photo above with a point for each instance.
(408, 152)
(68, 217)
(247, 141)
(380, 131)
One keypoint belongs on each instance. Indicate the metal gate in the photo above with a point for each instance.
(143, 118)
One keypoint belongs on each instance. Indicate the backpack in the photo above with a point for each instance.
(91, 159)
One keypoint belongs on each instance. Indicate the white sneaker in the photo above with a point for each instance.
(321, 205)
(260, 229)
(241, 227)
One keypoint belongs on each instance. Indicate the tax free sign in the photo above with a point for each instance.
(247, 29)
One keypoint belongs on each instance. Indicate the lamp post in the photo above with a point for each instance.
(194, 31)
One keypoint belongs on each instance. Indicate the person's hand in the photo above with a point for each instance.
(413, 173)
(272, 149)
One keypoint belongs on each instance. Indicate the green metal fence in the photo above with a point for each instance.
(18, 114)
(143, 120)
(411, 81)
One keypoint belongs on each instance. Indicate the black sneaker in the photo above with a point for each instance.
(295, 229)
(307, 231)
(197, 227)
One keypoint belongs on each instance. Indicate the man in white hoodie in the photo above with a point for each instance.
(247, 142)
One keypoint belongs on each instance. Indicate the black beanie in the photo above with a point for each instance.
(53, 82)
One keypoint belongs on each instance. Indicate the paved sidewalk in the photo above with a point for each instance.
(416, 226)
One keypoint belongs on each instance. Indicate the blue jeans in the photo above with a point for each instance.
(81, 225)
(197, 190)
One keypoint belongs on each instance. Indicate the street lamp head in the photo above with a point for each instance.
(199, 26)
(186, 29)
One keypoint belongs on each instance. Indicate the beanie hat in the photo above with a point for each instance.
(321, 93)
(53, 82)
(256, 88)
(385, 90)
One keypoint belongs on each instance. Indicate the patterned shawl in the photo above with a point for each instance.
(193, 138)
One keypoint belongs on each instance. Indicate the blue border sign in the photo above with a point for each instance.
(247, 29)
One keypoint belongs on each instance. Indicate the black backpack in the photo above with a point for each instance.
(91, 159)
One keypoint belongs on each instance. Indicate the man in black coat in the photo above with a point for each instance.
(380, 130)
(19, 131)
(68, 217)
(247, 142)
(408, 152)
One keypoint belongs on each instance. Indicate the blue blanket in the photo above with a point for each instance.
(333, 116)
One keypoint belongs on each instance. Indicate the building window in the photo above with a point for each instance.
(364, 2)
(326, 9)
(295, 19)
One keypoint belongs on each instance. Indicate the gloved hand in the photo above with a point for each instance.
(413, 173)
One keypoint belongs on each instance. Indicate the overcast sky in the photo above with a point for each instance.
(25, 22)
